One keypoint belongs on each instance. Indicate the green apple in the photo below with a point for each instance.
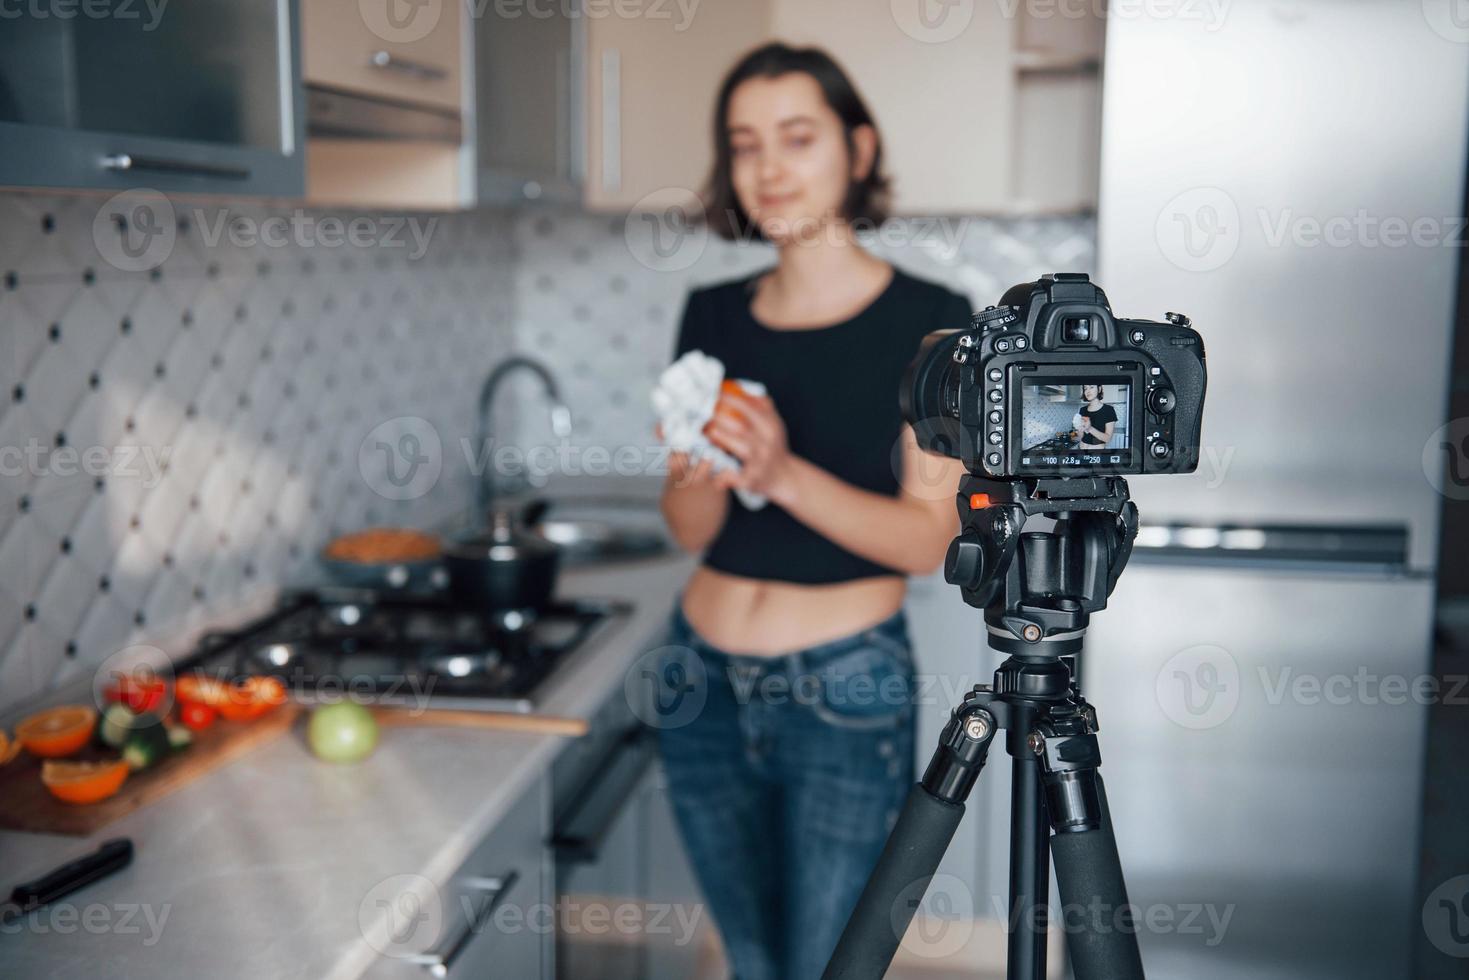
(342, 732)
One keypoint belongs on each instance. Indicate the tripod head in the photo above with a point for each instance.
(1039, 585)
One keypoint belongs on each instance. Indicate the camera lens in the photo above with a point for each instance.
(1077, 330)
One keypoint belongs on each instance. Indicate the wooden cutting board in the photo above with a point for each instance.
(25, 804)
(499, 721)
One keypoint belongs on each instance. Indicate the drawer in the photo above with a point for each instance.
(492, 920)
(405, 50)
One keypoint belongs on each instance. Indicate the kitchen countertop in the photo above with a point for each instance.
(259, 869)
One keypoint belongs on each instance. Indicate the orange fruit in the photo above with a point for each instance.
(9, 748)
(57, 732)
(252, 697)
(728, 404)
(84, 782)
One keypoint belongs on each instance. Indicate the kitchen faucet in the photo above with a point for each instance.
(485, 489)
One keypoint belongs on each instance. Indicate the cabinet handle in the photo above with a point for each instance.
(415, 69)
(440, 961)
(589, 820)
(563, 114)
(127, 162)
(611, 120)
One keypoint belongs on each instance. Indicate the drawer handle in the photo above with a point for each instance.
(439, 962)
(415, 69)
(127, 162)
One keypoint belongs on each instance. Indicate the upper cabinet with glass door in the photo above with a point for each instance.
(195, 97)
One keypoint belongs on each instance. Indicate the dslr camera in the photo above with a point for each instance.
(1049, 384)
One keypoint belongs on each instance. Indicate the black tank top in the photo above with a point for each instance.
(836, 389)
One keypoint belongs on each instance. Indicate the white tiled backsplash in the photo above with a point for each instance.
(177, 442)
(598, 300)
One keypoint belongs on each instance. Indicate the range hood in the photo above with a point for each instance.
(336, 113)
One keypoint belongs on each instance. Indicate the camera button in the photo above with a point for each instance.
(995, 438)
(1003, 345)
(1138, 337)
(993, 459)
(996, 416)
(996, 395)
(1021, 343)
(1159, 450)
(995, 374)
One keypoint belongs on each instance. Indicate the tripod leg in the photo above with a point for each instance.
(912, 854)
(1104, 945)
(1030, 872)
(914, 849)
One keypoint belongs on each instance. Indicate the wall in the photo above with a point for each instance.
(601, 297)
(180, 439)
(177, 441)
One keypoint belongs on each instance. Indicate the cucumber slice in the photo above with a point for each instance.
(116, 724)
(146, 746)
(179, 737)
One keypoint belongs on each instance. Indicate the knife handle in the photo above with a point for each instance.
(112, 856)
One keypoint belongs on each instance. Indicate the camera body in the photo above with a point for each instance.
(1049, 384)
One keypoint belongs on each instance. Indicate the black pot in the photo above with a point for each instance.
(506, 567)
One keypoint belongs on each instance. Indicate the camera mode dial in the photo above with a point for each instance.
(993, 318)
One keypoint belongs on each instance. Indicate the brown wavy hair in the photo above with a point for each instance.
(866, 200)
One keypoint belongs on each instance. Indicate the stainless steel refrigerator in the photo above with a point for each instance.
(1289, 174)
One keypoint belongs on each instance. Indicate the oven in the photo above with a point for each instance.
(601, 784)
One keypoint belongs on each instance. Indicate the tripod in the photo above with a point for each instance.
(1037, 589)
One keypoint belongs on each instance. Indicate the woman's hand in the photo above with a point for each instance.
(757, 437)
(686, 471)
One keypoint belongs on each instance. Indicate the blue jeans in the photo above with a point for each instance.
(786, 776)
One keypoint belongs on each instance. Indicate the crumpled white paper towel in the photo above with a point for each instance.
(684, 399)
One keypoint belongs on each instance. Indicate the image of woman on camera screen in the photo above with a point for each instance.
(1098, 419)
(784, 802)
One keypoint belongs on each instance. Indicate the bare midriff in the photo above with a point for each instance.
(767, 617)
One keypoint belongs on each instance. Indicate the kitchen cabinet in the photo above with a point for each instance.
(385, 97)
(529, 132)
(641, 874)
(373, 49)
(980, 111)
(492, 918)
(204, 98)
(684, 948)
(651, 83)
(605, 109)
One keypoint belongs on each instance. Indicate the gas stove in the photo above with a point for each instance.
(409, 650)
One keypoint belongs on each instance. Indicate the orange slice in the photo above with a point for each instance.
(57, 732)
(84, 782)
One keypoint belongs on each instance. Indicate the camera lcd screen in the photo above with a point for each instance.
(1075, 422)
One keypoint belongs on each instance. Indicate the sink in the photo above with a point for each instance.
(598, 532)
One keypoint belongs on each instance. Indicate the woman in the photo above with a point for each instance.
(792, 769)
(1098, 420)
